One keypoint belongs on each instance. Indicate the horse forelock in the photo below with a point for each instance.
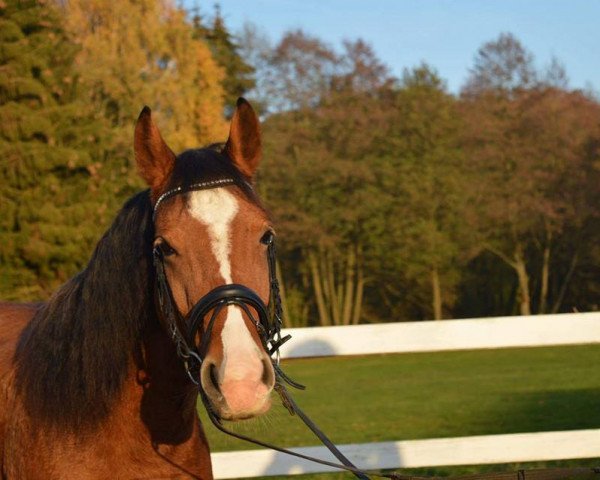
(73, 357)
(207, 164)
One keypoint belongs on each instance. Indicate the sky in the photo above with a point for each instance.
(444, 33)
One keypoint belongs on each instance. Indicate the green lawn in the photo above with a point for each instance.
(427, 395)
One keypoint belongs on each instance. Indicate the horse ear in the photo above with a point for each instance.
(155, 160)
(243, 145)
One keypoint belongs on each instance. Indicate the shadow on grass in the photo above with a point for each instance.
(519, 412)
(546, 411)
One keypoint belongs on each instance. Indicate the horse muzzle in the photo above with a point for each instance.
(238, 381)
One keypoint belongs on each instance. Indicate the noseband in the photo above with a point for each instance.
(267, 320)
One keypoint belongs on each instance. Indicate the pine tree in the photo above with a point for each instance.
(239, 75)
(47, 143)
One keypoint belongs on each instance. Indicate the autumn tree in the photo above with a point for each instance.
(319, 146)
(503, 66)
(526, 141)
(302, 68)
(563, 126)
(451, 206)
(375, 171)
(135, 53)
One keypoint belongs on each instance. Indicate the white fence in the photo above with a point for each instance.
(501, 332)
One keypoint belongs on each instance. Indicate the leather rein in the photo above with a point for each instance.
(268, 322)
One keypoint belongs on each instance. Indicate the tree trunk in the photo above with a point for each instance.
(565, 284)
(349, 287)
(329, 275)
(338, 297)
(324, 318)
(436, 294)
(523, 277)
(545, 274)
(360, 286)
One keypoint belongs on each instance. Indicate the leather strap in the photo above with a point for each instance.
(290, 404)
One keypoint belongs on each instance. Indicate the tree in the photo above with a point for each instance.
(302, 69)
(527, 141)
(502, 65)
(315, 172)
(313, 195)
(239, 74)
(48, 143)
(74, 77)
(427, 186)
(360, 71)
(563, 127)
(135, 53)
(374, 173)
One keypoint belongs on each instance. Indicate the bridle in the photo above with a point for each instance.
(267, 319)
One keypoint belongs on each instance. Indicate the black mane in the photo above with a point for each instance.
(73, 357)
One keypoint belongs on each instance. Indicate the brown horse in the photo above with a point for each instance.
(91, 382)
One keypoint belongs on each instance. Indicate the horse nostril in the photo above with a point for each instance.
(209, 378)
(214, 377)
(268, 375)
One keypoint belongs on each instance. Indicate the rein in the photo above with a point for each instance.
(268, 323)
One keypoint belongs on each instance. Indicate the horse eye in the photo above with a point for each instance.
(166, 249)
(267, 238)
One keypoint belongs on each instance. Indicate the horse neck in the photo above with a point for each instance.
(167, 397)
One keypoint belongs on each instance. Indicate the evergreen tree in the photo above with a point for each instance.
(48, 140)
(239, 75)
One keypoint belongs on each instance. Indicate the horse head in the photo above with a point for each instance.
(210, 232)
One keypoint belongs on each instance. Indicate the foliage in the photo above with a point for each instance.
(49, 139)
(424, 184)
(502, 65)
(225, 49)
(427, 182)
(393, 198)
(144, 52)
(530, 148)
(74, 78)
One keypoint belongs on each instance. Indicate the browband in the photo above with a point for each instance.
(196, 186)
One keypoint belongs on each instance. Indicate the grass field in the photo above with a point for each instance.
(430, 395)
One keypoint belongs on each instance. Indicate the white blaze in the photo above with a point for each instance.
(216, 208)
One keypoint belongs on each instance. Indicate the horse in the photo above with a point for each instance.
(98, 381)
